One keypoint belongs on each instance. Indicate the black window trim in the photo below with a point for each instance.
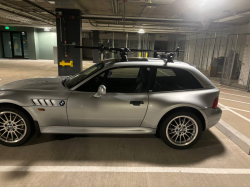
(88, 77)
(154, 69)
(111, 68)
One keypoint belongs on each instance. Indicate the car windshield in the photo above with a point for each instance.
(79, 77)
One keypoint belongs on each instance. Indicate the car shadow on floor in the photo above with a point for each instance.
(108, 150)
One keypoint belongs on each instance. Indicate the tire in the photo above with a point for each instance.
(181, 130)
(15, 126)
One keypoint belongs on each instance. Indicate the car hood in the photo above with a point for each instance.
(51, 83)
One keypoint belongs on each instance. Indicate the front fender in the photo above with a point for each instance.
(13, 97)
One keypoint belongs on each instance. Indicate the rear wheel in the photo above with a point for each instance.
(181, 130)
(15, 126)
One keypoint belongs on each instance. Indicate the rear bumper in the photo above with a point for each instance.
(213, 115)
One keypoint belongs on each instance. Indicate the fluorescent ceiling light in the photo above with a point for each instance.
(52, 2)
(141, 31)
(46, 29)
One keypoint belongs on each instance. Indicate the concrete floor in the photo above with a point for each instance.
(236, 108)
(214, 150)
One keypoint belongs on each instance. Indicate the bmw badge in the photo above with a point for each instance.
(62, 103)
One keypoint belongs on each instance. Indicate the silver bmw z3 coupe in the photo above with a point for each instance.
(141, 96)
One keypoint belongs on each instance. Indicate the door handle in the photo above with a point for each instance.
(136, 103)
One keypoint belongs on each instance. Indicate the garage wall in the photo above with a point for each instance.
(87, 53)
(202, 48)
(40, 43)
(46, 41)
(31, 37)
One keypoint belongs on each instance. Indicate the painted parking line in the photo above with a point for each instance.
(216, 84)
(112, 169)
(238, 109)
(235, 101)
(243, 117)
(235, 95)
(227, 88)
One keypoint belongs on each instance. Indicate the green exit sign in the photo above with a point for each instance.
(7, 28)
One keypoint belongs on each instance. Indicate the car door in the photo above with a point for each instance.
(124, 105)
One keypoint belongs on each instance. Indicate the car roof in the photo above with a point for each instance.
(137, 61)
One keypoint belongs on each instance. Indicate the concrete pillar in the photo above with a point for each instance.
(113, 44)
(32, 39)
(1, 47)
(69, 33)
(126, 40)
(151, 45)
(95, 44)
(139, 44)
(244, 78)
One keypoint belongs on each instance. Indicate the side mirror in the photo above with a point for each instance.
(101, 91)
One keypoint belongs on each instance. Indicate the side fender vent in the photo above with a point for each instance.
(46, 102)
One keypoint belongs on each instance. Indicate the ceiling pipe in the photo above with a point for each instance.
(135, 26)
(24, 14)
(21, 25)
(36, 5)
(183, 11)
(130, 28)
(231, 17)
(20, 8)
(118, 18)
(20, 15)
(10, 17)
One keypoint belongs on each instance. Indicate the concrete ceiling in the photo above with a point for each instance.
(195, 15)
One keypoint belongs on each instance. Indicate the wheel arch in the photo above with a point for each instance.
(181, 109)
(19, 107)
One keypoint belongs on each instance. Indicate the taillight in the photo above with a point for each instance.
(215, 104)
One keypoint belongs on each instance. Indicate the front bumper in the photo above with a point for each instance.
(213, 115)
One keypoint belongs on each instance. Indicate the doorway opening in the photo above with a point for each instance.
(15, 44)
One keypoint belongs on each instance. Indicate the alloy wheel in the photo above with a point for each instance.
(182, 130)
(12, 127)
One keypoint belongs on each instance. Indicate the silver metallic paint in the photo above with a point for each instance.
(113, 109)
(162, 102)
(96, 130)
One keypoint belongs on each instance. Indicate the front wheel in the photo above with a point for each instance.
(181, 130)
(15, 126)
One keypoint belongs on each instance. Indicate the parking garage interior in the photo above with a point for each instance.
(38, 39)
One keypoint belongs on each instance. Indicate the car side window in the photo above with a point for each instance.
(173, 79)
(92, 84)
(127, 80)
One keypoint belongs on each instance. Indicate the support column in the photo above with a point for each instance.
(69, 33)
(126, 40)
(95, 44)
(32, 43)
(139, 45)
(113, 44)
(151, 45)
